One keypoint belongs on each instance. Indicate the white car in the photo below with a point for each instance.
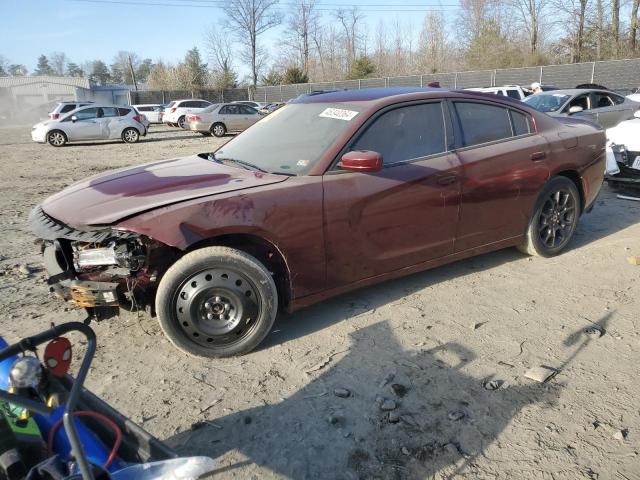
(95, 122)
(513, 91)
(153, 111)
(65, 107)
(175, 113)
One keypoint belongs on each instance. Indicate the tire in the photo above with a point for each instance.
(130, 135)
(554, 219)
(218, 129)
(56, 138)
(217, 282)
(181, 122)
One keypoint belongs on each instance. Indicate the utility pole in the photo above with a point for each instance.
(133, 74)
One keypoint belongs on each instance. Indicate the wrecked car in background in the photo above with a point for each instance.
(329, 193)
(623, 150)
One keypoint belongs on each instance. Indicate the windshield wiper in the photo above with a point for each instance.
(246, 165)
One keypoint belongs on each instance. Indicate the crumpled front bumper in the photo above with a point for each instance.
(80, 293)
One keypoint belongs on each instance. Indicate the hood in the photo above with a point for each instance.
(626, 133)
(106, 198)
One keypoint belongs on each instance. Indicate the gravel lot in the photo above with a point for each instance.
(413, 354)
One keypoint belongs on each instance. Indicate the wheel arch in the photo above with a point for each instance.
(575, 177)
(262, 249)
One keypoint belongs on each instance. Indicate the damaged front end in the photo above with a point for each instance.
(624, 170)
(100, 269)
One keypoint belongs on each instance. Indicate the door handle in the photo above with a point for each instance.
(446, 179)
(538, 156)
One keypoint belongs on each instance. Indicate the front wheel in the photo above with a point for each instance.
(554, 219)
(56, 138)
(216, 302)
(130, 135)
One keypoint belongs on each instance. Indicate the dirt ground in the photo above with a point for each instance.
(422, 347)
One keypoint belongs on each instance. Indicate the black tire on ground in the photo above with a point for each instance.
(130, 135)
(56, 138)
(181, 122)
(554, 220)
(216, 302)
(219, 129)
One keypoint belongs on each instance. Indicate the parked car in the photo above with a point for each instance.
(223, 118)
(250, 103)
(153, 111)
(65, 107)
(600, 106)
(513, 91)
(334, 192)
(176, 112)
(624, 142)
(270, 107)
(95, 122)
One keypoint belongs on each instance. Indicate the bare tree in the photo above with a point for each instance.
(220, 56)
(615, 27)
(432, 46)
(599, 29)
(633, 26)
(58, 61)
(350, 20)
(575, 16)
(299, 32)
(249, 19)
(530, 13)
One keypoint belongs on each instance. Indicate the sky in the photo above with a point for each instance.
(157, 29)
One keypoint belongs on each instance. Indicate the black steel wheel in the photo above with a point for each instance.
(217, 302)
(555, 218)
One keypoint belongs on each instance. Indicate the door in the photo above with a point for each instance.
(403, 215)
(611, 109)
(111, 123)
(503, 169)
(86, 126)
(583, 101)
(249, 116)
(231, 116)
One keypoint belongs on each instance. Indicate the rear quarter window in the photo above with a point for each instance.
(123, 111)
(521, 123)
(68, 108)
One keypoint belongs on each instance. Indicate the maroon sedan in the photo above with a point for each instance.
(331, 192)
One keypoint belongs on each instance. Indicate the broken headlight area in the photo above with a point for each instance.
(126, 254)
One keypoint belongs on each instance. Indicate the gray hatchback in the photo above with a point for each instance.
(599, 106)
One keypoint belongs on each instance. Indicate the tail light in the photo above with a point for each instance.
(193, 118)
(55, 116)
(137, 118)
(171, 110)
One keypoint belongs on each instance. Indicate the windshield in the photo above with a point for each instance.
(547, 102)
(292, 139)
(210, 108)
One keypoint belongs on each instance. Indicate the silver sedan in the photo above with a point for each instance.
(222, 118)
(599, 106)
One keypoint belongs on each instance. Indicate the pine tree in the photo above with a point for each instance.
(100, 73)
(197, 69)
(43, 67)
(74, 70)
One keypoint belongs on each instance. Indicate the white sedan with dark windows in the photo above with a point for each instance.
(95, 122)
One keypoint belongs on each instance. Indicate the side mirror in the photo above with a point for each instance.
(575, 109)
(74, 119)
(636, 114)
(362, 161)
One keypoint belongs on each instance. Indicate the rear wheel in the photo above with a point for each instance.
(217, 302)
(130, 135)
(218, 129)
(554, 220)
(182, 122)
(56, 138)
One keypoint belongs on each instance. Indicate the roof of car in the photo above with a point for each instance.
(575, 91)
(363, 95)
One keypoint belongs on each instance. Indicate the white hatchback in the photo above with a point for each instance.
(95, 122)
(176, 112)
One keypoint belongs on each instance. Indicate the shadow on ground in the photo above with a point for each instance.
(442, 421)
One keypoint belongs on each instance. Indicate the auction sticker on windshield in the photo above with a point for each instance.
(338, 113)
(636, 163)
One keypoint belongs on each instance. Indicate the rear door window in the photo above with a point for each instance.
(405, 133)
(109, 112)
(513, 94)
(602, 100)
(482, 123)
(86, 114)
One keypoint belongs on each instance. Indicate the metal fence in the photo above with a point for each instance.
(165, 96)
(618, 75)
